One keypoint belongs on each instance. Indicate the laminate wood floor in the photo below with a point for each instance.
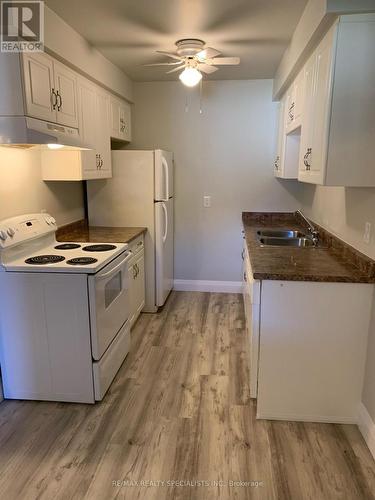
(179, 410)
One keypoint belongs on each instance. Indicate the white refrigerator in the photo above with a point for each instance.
(140, 194)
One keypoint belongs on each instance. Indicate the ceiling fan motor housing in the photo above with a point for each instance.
(188, 47)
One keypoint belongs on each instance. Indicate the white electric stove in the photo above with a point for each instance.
(28, 243)
(64, 311)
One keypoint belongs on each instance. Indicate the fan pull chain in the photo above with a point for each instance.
(186, 101)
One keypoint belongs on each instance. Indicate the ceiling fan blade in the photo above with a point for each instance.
(175, 69)
(224, 61)
(169, 54)
(164, 64)
(207, 68)
(207, 53)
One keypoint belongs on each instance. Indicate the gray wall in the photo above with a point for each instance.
(344, 211)
(226, 152)
(23, 191)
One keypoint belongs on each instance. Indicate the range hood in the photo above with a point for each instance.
(26, 132)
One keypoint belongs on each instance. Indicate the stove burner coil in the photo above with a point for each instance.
(67, 246)
(81, 261)
(45, 259)
(99, 248)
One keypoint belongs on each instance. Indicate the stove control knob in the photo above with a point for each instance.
(3, 235)
(48, 220)
(52, 220)
(11, 232)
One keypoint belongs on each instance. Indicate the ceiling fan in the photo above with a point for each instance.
(192, 58)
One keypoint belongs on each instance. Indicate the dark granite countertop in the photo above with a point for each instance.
(81, 231)
(331, 261)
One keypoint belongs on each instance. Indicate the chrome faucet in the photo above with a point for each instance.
(312, 229)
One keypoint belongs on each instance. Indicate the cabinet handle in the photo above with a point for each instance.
(243, 254)
(244, 277)
(306, 157)
(291, 114)
(54, 99)
(97, 161)
(58, 101)
(276, 162)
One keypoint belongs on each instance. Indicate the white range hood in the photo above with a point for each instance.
(23, 131)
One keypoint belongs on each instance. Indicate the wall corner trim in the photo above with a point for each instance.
(208, 286)
(367, 428)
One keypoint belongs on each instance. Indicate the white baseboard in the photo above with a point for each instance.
(367, 428)
(208, 286)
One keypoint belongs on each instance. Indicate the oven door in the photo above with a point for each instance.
(109, 303)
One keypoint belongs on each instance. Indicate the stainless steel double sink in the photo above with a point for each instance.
(284, 238)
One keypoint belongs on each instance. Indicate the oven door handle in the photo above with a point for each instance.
(113, 271)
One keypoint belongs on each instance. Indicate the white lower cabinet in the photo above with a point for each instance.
(136, 268)
(310, 358)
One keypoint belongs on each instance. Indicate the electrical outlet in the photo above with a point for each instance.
(367, 233)
(206, 201)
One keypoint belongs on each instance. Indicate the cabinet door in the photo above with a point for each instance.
(279, 160)
(125, 121)
(120, 119)
(103, 141)
(322, 107)
(299, 95)
(139, 284)
(40, 94)
(115, 118)
(66, 90)
(316, 112)
(307, 119)
(87, 127)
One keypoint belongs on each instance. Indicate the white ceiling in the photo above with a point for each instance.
(128, 32)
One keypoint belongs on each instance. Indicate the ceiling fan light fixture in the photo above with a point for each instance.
(190, 77)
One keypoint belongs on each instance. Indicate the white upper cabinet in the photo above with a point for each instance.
(120, 119)
(94, 127)
(315, 123)
(103, 143)
(294, 103)
(50, 90)
(287, 154)
(280, 146)
(338, 120)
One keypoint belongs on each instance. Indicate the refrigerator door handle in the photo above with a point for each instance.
(166, 176)
(165, 221)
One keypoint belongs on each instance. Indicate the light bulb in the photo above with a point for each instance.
(190, 77)
(55, 146)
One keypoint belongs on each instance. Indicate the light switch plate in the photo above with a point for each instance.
(206, 201)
